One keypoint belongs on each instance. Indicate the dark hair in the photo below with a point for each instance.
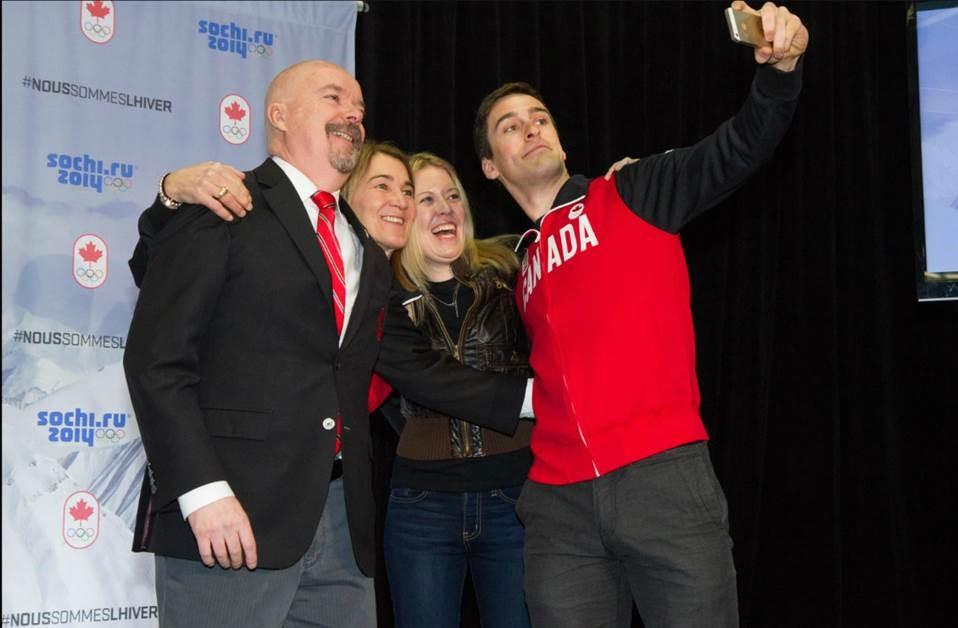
(480, 132)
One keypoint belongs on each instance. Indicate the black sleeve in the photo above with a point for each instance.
(408, 362)
(392, 412)
(161, 361)
(670, 189)
(151, 222)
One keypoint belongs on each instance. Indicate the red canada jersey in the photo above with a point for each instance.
(604, 296)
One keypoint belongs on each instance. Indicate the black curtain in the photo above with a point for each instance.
(829, 392)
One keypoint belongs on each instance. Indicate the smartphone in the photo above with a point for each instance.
(745, 28)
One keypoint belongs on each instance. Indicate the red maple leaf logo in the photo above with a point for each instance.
(90, 253)
(80, 511)
(97, 9)
(235, 112)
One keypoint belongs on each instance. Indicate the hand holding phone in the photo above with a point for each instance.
(778, 36)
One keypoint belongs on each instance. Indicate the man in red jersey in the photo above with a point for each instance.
(622, 502)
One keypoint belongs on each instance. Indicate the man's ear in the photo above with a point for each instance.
(276, 115)
(489, 169)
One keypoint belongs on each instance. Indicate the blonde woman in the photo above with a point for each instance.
(455, 484)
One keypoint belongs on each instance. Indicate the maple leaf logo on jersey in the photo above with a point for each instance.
(97, 9)
(81, 511)
(234, 121)
(90, 253)
(235, 112)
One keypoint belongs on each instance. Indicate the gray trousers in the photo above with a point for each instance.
(655, 532)
(324, 588)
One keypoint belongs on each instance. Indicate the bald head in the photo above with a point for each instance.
(288, 81)
(314, 112)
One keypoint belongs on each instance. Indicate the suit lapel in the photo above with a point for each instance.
(286, 204)
(369, 276)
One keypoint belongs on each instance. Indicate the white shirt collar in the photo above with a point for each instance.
(304, 187)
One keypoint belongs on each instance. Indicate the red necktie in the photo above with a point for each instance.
(326, 236)
(330, 246)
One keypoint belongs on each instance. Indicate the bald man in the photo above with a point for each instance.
(249, 376)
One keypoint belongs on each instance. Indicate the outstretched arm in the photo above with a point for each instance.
(670, 189)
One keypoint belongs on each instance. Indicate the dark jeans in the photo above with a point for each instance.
(431, 537)
(655, 531)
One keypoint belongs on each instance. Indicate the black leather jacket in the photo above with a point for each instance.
(491, 338)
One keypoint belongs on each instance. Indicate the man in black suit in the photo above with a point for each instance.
(241, 383)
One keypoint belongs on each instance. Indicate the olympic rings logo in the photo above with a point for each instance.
(97, 29)
(111, 434)
(260, 50)
(235, 131)
(118, 184)
(93, 274)
(81, 533)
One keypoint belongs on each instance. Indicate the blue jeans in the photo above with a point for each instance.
(431, 537)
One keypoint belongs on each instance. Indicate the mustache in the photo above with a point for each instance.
(353, 130)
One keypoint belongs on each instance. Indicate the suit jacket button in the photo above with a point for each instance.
(329, 423)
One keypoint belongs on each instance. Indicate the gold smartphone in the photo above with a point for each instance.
(745, 28)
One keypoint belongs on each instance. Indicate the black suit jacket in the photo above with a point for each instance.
(233, 363)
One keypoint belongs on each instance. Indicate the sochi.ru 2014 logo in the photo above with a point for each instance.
(90, 259)
(235, 125)
(234, 39)
(83, 171)
(81, 520)
(97, 20)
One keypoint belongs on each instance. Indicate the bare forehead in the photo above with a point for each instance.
(433, 176)
(514, 105)
(382, 161)
(335, 77)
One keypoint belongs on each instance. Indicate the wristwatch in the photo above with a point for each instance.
(168, 202)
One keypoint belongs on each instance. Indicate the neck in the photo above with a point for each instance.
(320, 174)
(438, 272)
(536, 199)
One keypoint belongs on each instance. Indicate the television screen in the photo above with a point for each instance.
(934, 78)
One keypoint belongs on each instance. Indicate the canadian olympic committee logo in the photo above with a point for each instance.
(97, 20)
(235, 125)
(81, 520)
(90, 257)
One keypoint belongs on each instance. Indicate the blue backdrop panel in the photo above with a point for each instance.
(99, 99)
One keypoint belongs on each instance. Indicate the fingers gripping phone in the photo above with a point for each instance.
(745, 28)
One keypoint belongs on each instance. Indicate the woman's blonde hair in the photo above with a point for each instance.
(409, 263)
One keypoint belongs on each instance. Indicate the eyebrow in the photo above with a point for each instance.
(391, 178)
(513, 114)
(339, 89)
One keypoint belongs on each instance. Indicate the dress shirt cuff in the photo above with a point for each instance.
(526, 412)
(205, 495)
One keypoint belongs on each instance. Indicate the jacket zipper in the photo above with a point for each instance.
(565, 382)
(456, 353)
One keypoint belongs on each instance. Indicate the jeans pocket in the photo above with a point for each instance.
(510, 495)
(705, 488)
(407, 495)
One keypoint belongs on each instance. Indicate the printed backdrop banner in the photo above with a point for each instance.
(100, 99)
